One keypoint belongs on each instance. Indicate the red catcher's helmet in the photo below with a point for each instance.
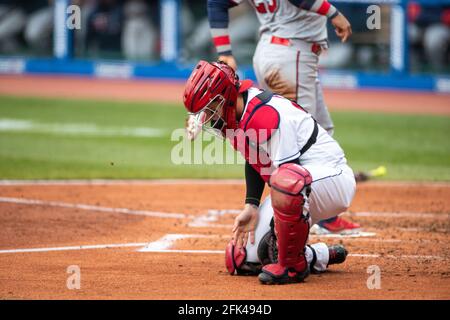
(213, 82)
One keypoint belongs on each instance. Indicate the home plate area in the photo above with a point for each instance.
(162, 240)
(218, 219)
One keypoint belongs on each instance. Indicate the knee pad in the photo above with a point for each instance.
(290, 187)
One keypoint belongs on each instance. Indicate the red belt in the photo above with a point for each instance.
(315, 47)
(281, 41)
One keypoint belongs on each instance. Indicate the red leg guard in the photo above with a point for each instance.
(292, 235)
(290, 186)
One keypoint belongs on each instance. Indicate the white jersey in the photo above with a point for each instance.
(294, 130)
(333, 183)
(283, 19)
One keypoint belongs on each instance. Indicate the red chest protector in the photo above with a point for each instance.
(258, 124)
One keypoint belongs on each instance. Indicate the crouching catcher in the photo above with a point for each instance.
(284, 147)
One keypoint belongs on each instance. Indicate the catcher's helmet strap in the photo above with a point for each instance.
(265, 96)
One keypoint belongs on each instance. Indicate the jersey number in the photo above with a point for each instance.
(264, 6)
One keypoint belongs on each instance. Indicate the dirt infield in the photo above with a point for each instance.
(411, 223)
(171, 91)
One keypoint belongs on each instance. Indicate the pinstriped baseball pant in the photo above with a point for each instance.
(298, 66)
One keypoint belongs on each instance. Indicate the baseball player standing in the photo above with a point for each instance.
(283, 146)
(293, 33)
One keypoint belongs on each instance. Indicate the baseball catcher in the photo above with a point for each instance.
(284, 147)
(293, 34)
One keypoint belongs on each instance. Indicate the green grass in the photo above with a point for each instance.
(412, 147)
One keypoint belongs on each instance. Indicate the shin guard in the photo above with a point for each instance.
(290, 187)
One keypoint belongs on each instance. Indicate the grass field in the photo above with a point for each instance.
(64, 139)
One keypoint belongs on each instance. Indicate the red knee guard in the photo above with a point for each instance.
(290, 187)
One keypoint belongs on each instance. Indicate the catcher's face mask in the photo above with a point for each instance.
(211, 94)
(211, 116)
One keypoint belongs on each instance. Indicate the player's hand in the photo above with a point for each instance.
(193, 125)
(342, 27)
(229, 60)
(279, 85)
(244, 226)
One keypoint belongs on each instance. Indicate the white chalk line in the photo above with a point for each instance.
(161, 244)
(164, 244)
(168, 241)
(70, 248)
(353, 235)
(438, 230)
(155, 249)
(353, 255)
(88, 129)
(390, 256)
(202, 221)
(208, 220)
(400, 215)
(88, 207)
(188, 251)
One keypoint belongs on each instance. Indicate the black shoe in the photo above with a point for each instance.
(337, 254)
(361, 176)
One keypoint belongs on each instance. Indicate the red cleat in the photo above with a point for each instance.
(339, 225)
(277, 274)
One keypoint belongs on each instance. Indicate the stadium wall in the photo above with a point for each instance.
(63, 62)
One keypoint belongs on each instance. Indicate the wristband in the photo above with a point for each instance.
(332, 12)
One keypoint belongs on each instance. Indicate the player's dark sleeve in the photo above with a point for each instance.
(322, 7)
(218, 18)
(254, 185)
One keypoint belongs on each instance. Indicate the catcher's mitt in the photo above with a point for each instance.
(267, 249)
